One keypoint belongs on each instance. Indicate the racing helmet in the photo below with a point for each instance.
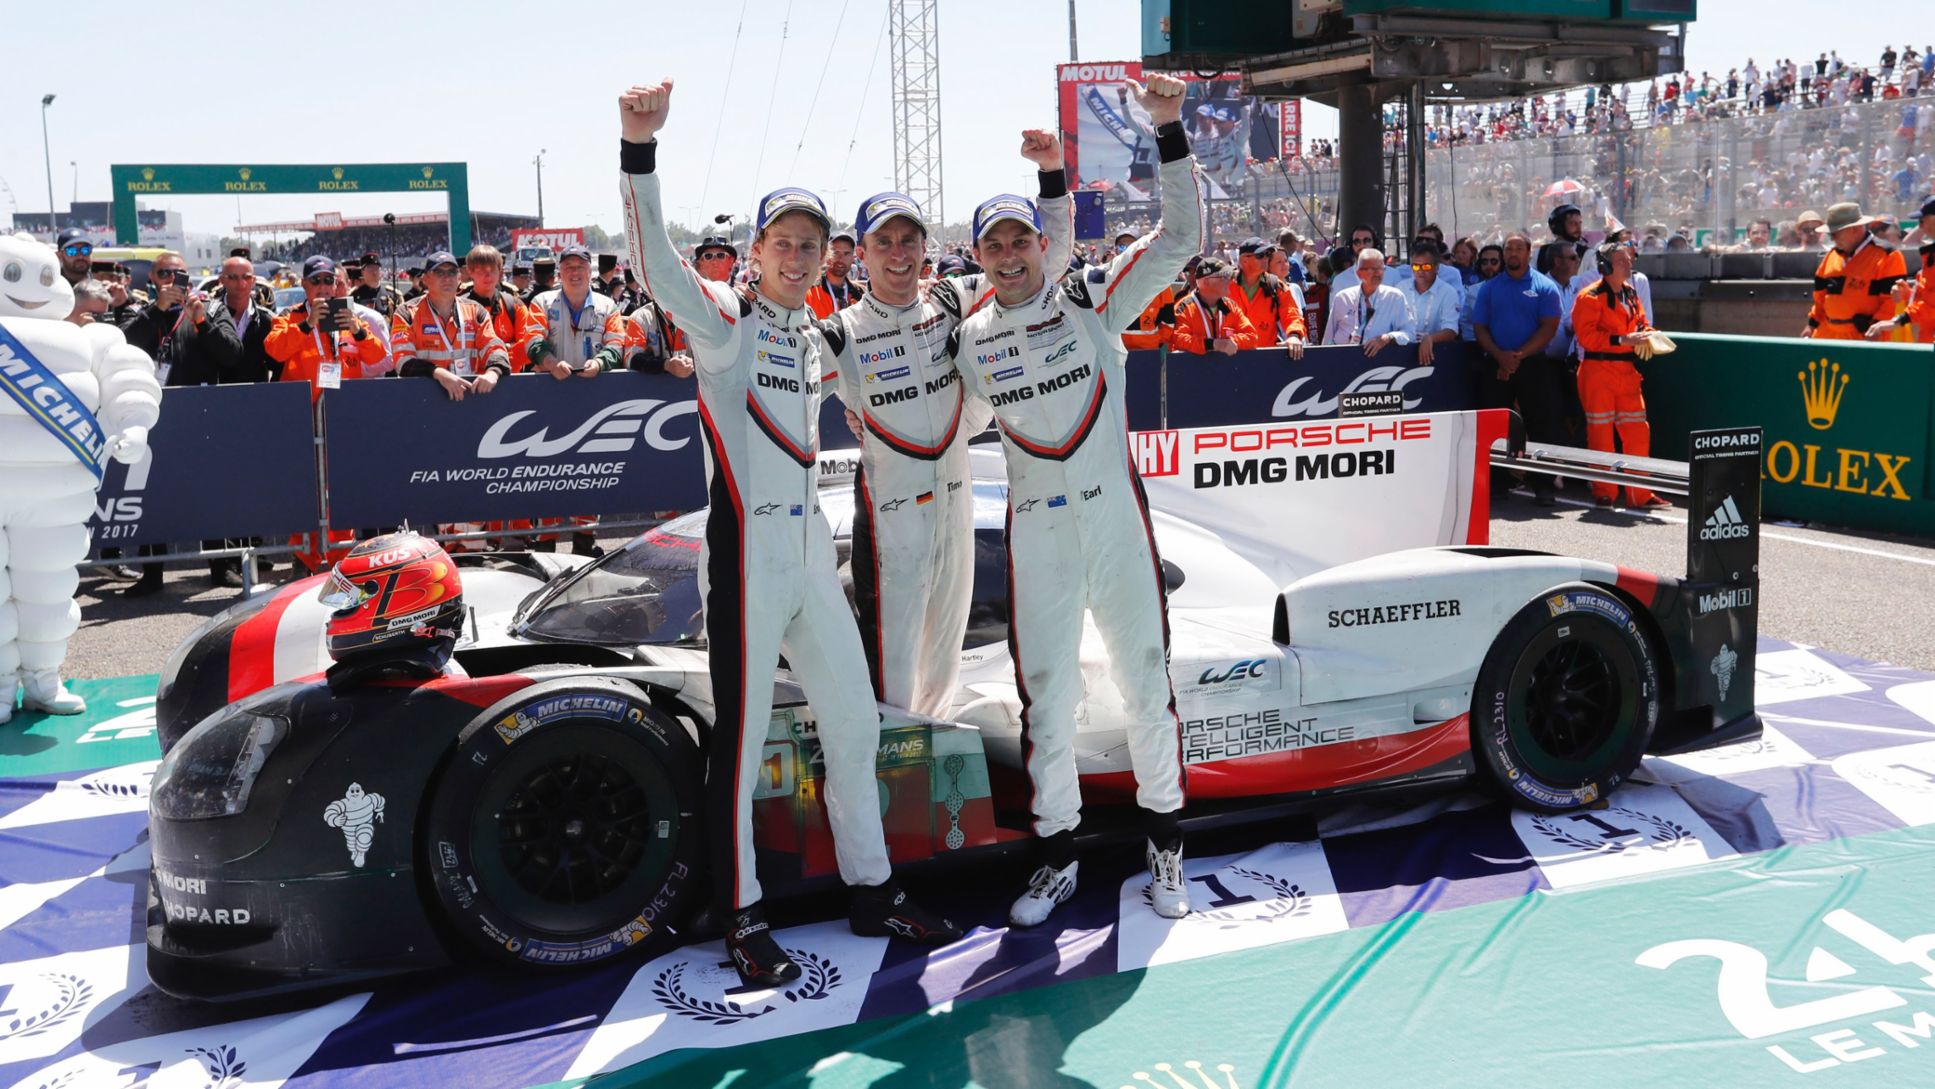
(396, 602)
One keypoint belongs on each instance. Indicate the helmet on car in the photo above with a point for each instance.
(395, 602)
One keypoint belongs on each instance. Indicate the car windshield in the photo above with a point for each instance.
(645, 592)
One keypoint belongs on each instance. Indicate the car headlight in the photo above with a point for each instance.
(211, 771)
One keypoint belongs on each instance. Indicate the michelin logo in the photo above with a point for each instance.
(1725, 523)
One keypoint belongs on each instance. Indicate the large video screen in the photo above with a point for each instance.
(1110, 143)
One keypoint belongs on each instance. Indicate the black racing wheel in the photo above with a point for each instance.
(1565, 701)
(565, 829)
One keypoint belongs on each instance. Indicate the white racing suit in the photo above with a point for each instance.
(913, 505)
(1079, 534)
(767, 571)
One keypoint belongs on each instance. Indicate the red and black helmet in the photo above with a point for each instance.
(395, 601)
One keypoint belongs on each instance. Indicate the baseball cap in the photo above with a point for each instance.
(790, 199)
(1212, 266)
(841, 236)
(1928, 208)
(952, 265)
(1130, 235)
(1257, 246)
(71, 234)
(881, 207)
(439, 259)
(318, 265)
(569, 252)
(1006, 206)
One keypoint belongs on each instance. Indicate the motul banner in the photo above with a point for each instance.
(555, 238)
(1108, 142)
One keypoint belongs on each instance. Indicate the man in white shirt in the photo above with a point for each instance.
(1369, 313)
(1433, 303)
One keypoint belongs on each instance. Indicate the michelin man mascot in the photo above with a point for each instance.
(70, 396)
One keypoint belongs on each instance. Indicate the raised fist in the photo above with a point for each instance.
(1043, 147)
(642, 110)
(1162, 97)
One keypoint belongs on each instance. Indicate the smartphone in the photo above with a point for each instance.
(339, 313)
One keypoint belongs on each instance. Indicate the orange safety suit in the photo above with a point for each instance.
(1851, 291)
(823, 300)
(1154, 326)
(302, 349)
(1198, 326)
(510, 319)
(1272, 309)
(1608, 381)
(1921, 305)
(423, 345)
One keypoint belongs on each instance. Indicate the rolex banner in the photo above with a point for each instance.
(1847, 424)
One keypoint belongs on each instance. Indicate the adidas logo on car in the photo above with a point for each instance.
(1725, 523)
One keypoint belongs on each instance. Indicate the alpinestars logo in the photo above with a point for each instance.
(1725, 523)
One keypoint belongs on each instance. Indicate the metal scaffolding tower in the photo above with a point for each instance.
(917, 104)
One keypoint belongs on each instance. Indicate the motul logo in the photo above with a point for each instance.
(1725, 523)
(613, 429)
(1094, 73)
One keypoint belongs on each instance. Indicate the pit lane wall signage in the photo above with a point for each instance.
(1847, 425)
(225, 461)
(1266, 384)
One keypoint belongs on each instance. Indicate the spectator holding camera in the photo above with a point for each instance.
(224, 336)
(322, 341)
(155, 327)
(452, 340)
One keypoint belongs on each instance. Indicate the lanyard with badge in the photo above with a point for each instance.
(1211, 332)
(459, 361)
(577, 312)
(329, 368)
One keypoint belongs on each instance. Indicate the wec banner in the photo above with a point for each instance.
(621, 443)
(1266, 384)
(224, 461)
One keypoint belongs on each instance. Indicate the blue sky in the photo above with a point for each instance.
(224, 82)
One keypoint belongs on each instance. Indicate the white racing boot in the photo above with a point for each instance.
(44, 691)
(1048, 889)
(1168, 892)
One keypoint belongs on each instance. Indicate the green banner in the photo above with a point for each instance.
(1848, 437)
(134, 180)
(1763, 971)
(117, 728)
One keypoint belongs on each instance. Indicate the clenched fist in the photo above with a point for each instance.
(1162, 96)
(1043, 147)
(642, 110)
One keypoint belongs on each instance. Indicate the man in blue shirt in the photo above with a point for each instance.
(1515, 317)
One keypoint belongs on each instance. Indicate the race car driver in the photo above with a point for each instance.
(913, 517)
(1049, 358)
(767, 568)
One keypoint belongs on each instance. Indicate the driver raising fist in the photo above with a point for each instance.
(767, 567)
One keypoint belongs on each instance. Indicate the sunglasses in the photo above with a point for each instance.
(1417, 267)
(716, 255)
(80, 250)
(325, 278)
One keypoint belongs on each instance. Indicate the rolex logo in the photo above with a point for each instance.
(427, 171)
(244, 173)
(1822, 386)
(336, 172)
(147, 173)
(1167, 1076)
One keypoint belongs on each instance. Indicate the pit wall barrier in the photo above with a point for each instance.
(257, 461)
(1848, 437)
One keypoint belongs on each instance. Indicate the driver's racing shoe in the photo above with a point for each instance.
(43, 691)
(886, 911)
(760, 960)
(1048, 889)
(1168, 892)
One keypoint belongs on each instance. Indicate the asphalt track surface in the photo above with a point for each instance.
(1859, 593)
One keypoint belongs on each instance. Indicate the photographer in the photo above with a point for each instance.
(154, 327)
(322, 341)
(223, 338)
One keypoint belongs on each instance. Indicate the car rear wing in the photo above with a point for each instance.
(1718, 602)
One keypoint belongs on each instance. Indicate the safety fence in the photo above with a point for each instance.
(1847, 423)
(260, 461)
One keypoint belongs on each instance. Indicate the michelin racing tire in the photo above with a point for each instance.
(564, 828)
(1566, 700)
